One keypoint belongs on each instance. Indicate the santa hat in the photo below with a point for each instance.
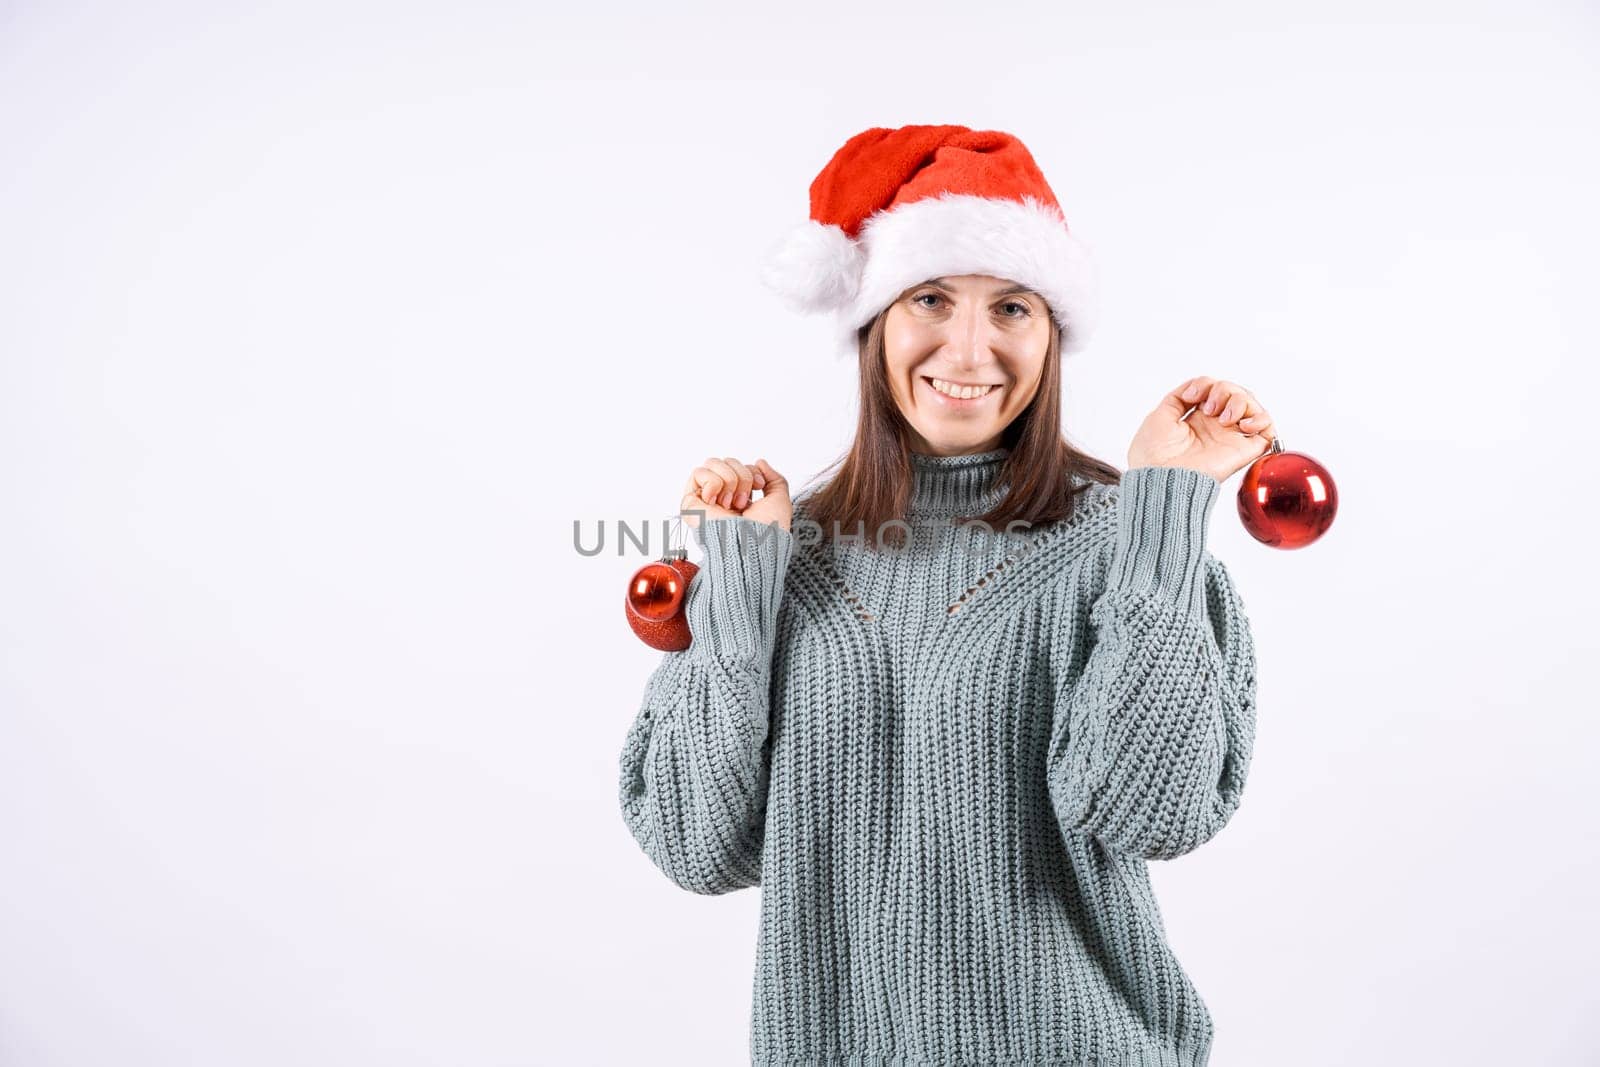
(895, 207)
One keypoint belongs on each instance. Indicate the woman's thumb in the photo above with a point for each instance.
(773, 483)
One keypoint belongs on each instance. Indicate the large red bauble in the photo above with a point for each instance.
(655, 602)
(1287, 499)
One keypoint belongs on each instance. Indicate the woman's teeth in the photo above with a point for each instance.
(960, 392)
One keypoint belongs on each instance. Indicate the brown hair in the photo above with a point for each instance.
(874, 480)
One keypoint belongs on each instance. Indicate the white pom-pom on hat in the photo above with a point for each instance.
(815, 267)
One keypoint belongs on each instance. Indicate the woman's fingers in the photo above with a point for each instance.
(705, 486)
(1216, 397)
(1238, 405)
(716, 481)
(1210, 395)
(1245, 412)
(1258, 425)
(772, 483)
(1194, 390)
(1229, 402)
(724, 484)
(739, 493)
(699, 497)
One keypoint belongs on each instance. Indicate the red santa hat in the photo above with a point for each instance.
(895, 207)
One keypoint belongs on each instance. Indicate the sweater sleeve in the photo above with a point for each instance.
(1151, 741)
(695, 763)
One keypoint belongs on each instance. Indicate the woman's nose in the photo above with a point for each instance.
(971, 338)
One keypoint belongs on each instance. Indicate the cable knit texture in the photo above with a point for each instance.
(947, 768)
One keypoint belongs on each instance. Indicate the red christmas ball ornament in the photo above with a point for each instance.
(1287, 499)
(657, 594)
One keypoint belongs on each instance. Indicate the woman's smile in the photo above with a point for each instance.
(958, 396)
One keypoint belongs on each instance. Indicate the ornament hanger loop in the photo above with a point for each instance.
(677, 542)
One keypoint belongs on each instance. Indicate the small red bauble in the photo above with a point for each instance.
(1287, 499)
(656, 598)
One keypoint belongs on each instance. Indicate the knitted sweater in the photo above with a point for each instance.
(946, 768)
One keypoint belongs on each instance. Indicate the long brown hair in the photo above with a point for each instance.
(873, 482)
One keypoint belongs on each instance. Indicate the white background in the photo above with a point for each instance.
(321, 324)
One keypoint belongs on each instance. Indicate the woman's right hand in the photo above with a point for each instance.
(722, 489)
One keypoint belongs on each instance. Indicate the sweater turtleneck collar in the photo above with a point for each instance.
(957, 485)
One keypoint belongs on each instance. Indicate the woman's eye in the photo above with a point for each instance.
(1019, 309)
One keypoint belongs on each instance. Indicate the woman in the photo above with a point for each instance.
(946, 757)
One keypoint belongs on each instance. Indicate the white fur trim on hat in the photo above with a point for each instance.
(1024, 241)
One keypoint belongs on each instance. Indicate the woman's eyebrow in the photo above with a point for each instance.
(939, 283)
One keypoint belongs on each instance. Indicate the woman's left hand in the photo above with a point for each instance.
(1228, 431)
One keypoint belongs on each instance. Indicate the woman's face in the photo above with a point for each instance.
(948, 334)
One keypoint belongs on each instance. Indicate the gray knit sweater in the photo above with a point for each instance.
(946, 768)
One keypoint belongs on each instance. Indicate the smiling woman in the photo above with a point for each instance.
(946, 765)
(958, 364)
